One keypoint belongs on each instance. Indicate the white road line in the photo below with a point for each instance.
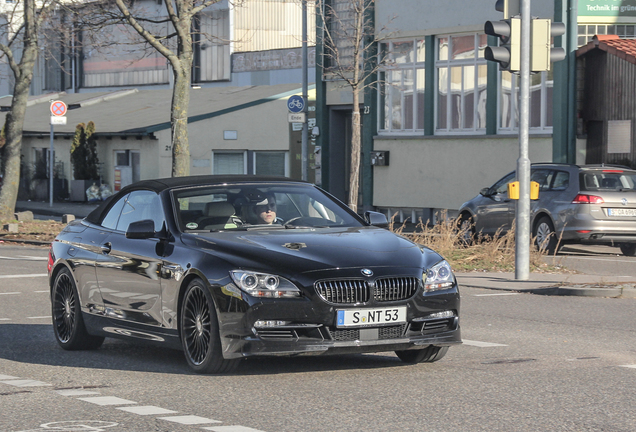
(10, 293)
(629, 366)
(231, 429)
(76, 392)
(107, 400)
(189, 420)
(23, 276)
(490, 295)
(34, 258)
(147, 410)
(481, 344)
(8, 377)
(40, 317)
(43, 291)
(24, 258)
(26, 383)
(5, 319)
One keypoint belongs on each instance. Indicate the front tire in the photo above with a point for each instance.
(628, 249)
(545, 236)
(427, 355)
(199, 329)
(68, 324)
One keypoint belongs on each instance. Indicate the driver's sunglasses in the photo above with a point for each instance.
(264, 207)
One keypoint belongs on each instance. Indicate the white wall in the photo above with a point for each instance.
(445, 172)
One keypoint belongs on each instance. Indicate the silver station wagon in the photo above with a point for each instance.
(590, 204)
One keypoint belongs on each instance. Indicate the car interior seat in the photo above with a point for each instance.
(217, 215)
(609, 183)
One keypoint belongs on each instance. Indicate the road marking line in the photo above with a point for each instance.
(629, 366)
(490, 295)
(75, 392)
(43, 291)
(10, 293)
(107, 400)
(24, 258)
(189, 420)
(231, 429)
(8, 377)
(31, 257)
(26, 383)
(5, 319)
(40, 317)
(481, 344)
(23, 276)
(147, 410)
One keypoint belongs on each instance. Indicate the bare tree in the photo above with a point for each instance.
(181, 15)
(350, 54)
(21, 31)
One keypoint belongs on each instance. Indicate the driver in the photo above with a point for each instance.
(266, 211)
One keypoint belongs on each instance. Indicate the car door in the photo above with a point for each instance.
(128, 270)
(495, 210)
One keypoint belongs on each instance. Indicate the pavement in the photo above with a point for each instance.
(571, 284)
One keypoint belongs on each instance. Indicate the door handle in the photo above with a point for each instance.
(106, 247)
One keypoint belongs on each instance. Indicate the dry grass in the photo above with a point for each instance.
(36, 230)
(482, 254)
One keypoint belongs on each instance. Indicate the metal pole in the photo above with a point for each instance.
(305, 136)
(51, 163)
(522, 236)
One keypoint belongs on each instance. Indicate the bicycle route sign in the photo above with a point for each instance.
(295, 104)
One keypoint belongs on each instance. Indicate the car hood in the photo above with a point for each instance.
(315, 249)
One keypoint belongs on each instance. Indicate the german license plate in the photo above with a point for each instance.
(370, 317)
(621, 212)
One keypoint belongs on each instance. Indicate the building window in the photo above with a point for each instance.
(270, 163)
(587, 31)
(401, 86)
(541, 85)
(462, 79)
(229, 163)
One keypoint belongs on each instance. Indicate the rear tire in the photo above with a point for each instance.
(628, 249)
(427, 355)
(199, 329)
(545, 236)
(68, 324)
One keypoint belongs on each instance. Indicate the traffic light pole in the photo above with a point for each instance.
(522, 236)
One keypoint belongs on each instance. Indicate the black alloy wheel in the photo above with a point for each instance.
(199, 330)
(68, 324)
(427, 355)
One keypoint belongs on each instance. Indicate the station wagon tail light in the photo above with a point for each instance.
(264, 285)
(49, 262)
(587, 199)
(438, 277)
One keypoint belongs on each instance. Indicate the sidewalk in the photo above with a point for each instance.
(538, 283)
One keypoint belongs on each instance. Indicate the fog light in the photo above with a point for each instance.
(270, 323)
(445, 314)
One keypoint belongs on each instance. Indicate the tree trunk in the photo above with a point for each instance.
(179, 118)
(354, 177)
(14, 124)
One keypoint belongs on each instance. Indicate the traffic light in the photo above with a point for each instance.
(508, 53)
(543, 30)
(510, 8)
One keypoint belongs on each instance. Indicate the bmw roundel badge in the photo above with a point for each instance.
(366, 272)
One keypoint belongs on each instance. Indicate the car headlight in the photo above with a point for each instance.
(264, 285)
(438, 277)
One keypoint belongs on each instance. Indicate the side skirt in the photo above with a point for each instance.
(108, 327)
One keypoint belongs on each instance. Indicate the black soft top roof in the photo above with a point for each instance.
(159, 185)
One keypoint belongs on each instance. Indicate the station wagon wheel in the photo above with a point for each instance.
(68, 324)
(545, 237)
(199, 330)
(427, 355)
(628, 249)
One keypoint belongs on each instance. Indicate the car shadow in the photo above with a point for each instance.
(35, 344)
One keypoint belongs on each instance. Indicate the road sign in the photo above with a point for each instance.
(296, 118)
(58, 108)
(58, 120)
(295, 104)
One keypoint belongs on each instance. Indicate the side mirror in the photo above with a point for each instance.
(484, 191)
(376, 219)
(143, 229)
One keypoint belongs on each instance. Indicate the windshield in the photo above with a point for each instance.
(608, 180)
(252, 206)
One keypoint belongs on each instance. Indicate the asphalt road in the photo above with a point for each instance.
(528, 363)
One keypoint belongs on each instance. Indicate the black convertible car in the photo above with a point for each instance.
(224, 267)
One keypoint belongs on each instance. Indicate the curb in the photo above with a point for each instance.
(618, 291)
